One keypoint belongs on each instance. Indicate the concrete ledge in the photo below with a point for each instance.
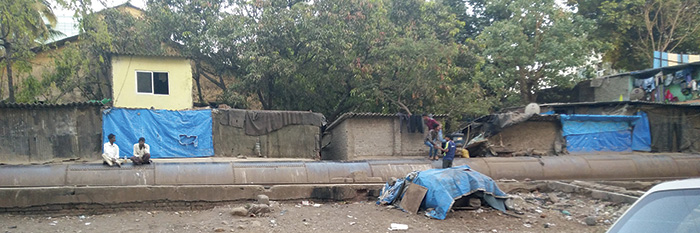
(597, 194)
(31, 199)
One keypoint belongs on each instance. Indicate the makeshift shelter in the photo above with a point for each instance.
(444, 187)
(590, 133)
(361, 135)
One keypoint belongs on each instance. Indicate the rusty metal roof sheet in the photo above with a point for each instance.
(369, 115)
(47, 105)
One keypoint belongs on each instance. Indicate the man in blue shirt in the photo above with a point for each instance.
(451, 148)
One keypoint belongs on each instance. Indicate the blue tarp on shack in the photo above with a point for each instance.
(447, 185)
(590, 133)
(170, 134)
(641, 135)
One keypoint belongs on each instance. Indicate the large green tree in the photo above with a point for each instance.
(539, 45)
(22, 26)
(636, 28)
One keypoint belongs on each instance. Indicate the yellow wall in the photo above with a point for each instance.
(124, 69)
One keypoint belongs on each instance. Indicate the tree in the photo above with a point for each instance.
(536, 47)
(21, 25)
(636, 28)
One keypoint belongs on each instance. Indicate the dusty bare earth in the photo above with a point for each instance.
(537, 212)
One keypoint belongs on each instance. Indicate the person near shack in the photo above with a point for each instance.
(433, 125)
(142, 152)
(431, 140)
(110, 154)
(449, 150)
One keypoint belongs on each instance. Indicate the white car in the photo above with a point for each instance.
(669, 207)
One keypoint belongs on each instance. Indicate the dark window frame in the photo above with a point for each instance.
(153, 82)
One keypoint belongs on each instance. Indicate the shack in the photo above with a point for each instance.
(366, 135)
(587, 127)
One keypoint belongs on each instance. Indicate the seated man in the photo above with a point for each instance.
(111, 152)
(142, 152)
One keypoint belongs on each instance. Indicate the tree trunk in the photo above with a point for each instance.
(196, 80)
(10, 85)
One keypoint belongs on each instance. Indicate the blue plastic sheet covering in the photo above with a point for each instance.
(586, 124)
(641, 135)
(170, 134)
(447, 185)
(619, 141)
(591, 133)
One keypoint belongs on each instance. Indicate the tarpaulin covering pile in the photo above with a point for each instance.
(590, 133)
(170, 134)
(444, 187)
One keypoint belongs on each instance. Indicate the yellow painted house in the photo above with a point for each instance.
(144, 81)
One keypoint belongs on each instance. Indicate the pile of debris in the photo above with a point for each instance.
(437, 191)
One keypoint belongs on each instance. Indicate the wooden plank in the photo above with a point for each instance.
(413, 197)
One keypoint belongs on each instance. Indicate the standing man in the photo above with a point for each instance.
(142, 152)
(451, 148)
(111, 152)
(433, 125)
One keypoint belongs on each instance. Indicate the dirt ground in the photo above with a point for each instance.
(536, 212)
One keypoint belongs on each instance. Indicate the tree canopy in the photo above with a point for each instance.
(463, 57)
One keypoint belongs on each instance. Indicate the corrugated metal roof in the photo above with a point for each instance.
(368, 115)
(616, 103)
(146, 54)
(44, 105)
(651, 72)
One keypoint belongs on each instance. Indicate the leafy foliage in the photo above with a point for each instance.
(538, 46)
(635, 28)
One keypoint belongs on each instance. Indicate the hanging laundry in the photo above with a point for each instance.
(668, 95)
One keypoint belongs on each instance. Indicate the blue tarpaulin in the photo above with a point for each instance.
(641, 135)
(447, 185)
(590, 133)
(170, 134)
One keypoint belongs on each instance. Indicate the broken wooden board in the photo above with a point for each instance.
(413, 198)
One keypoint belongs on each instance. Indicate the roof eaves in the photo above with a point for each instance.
(349, 115)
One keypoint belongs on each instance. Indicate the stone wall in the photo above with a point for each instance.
(364, 137)
(292, 141)
(38, 134)
(540, 136)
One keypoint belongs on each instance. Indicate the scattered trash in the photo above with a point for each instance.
(258, 209)
(87, 224)
(566, 212)
(527, 225)
(398, 227)
(317, 205)
(306, 203)
(82, 217)
(177, 213)
(548, 225)
(479, 211)
(349, 216)
(352, 223)
(283, 212)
